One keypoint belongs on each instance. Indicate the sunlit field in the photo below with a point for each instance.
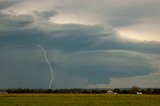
(78, 100)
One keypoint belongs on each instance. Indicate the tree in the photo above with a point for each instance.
(148, 91)
(117, 90)
(134, 90)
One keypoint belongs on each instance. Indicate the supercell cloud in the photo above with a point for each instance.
(88, 43)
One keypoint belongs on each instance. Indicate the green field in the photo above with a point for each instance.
(78, 100)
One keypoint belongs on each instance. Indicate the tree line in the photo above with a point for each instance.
(132, 90)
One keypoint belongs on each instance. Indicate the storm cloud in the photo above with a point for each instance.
(95, 46)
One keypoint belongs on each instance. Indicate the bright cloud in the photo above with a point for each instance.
(147, 31)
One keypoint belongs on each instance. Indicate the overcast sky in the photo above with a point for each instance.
(89, 43)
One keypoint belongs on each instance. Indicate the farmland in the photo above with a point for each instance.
(78, 100)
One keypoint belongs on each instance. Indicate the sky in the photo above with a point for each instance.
(89, 43)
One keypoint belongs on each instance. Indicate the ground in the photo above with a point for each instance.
(78, 100)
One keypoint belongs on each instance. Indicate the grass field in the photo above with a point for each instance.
(78, 100)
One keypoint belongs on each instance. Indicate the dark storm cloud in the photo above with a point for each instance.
(99, 66)
(75, 38)
(67, 40)
(80, 54)
(20, 67)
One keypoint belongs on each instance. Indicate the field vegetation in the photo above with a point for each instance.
(79, 100)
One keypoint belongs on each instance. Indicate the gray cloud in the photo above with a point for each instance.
(80, 54)
(75, 38)
(99, 66)
(45, 14)
(20, 69)
(9, 21)
(7, 3)
(132, 13)
(112, 13)
(27, 68)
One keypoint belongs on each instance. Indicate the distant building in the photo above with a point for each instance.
(139, 93)
(110, 92)
(3, 92)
